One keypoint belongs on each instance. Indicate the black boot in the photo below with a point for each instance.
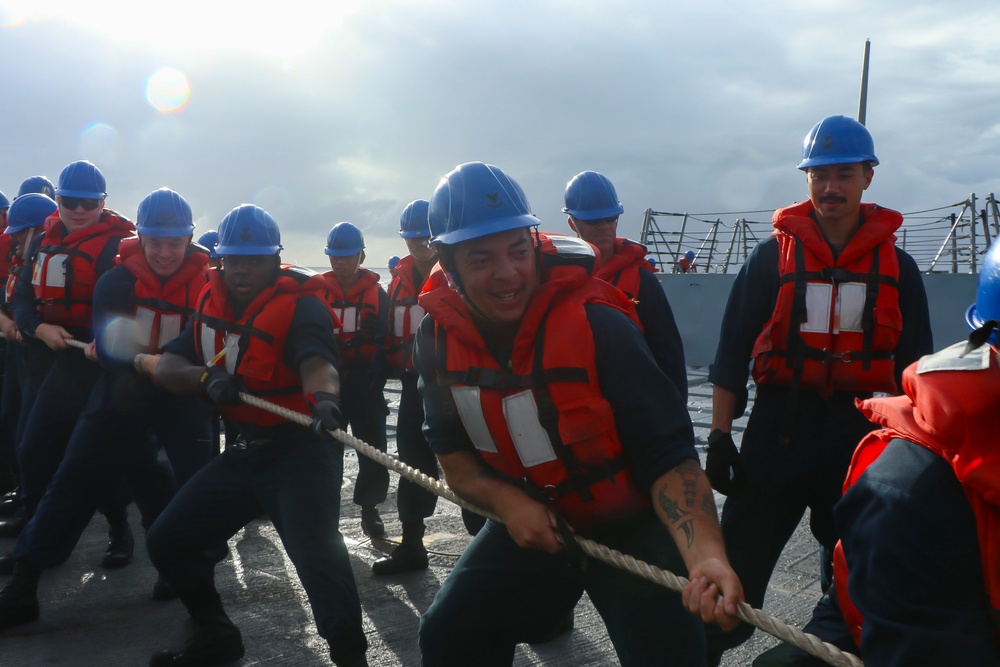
(216, 641)
(19, 598)
(121, 544)
(13, 526)
(409, 556)
(163, 591)
(371, 522)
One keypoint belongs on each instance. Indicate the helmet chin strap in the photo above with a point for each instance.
(980, 336)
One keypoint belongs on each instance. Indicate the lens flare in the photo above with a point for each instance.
(100, 143)
(168, 90)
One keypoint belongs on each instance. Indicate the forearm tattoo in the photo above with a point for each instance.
(680, 518)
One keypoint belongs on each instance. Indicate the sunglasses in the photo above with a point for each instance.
(70, 203)
(600, 221)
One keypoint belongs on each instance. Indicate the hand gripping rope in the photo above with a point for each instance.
(811, 644)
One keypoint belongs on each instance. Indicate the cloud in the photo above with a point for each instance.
(685, 106)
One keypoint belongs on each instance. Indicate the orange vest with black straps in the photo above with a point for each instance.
(949, 407)
(404, 314)
(64, 270)
(255, 342)
(360, 302)
(163, 306)
(543, 417)
(622, 269)
(836, 321)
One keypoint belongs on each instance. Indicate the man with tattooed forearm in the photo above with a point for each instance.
(545, 406)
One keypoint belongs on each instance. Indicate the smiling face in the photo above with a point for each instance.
(164, 254)
(499, 275)
(77, 213)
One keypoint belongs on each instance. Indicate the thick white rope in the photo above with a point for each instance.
(811, 644)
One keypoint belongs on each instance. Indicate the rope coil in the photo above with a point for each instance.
(811, 644)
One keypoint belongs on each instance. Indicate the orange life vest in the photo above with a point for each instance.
(359, 303)
(543, 418)
(622, 269)
(255, 343)
(949, 407)
(11, 285)
(163, 307)
(64, 270)
(7, 257)
(404, 314)
(836, 322)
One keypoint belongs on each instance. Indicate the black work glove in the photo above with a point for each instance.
(221, 387)
(724, 466)
(326, 412)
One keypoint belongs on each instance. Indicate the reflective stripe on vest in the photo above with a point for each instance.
(158, 329)
(520, 411)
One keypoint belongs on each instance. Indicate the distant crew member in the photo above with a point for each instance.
(23, 223)
(828, 310)
(361, 304)
(686, 263)
(209, 240)
(544, 405)
(261, 327)
(392, 264)
(593, 207)
(53, 303)
(414, 503)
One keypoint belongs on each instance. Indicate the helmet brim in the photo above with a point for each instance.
(824, 161)
(596, 214)
(486, 229)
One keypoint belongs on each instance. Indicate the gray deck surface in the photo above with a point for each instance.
(97, 618)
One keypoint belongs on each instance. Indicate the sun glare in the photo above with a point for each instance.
(285, 29)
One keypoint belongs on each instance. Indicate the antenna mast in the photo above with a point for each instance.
(863, 104)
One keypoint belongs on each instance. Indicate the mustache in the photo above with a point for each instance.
(833, 198)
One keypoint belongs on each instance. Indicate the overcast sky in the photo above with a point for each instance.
(350, 112)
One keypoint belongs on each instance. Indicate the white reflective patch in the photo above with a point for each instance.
(398, 321)
(54, 270)
(170, 328)
(231, 343)
(850, 306)
(571, 245)
(470, 409)
(530, 439)
(144, 318)
(818, 298)
(416, 314)
(208, 350)
(950, 359)
(350, 319)
(339, 312)
(36, 271)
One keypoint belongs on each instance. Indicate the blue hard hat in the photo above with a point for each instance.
(82, 179)
(413, 222)
(209, 240)
(29, 210)
(344, 240)
(164, 213)
(393, 262)
(38, 184)
(837, 140)
(474, 200)
(4, 202)
(248, 230)
(592, 196)
(652, 262)
(690, 255)
(987, 305)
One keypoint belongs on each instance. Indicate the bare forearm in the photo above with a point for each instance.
(723, 407)
(318, 374)
(177, 375)
(684, 501)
